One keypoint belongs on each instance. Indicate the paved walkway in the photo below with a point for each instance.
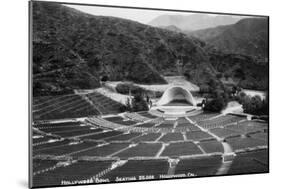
(225, 166)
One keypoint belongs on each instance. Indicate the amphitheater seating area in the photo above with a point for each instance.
(141, 150)
(186, 126)
(101, 135)
(197, 135)
(260, 136)
(211, 146)
(77, 171)
(104, 104)
(137, 117)
(52, 144)
(147, 114)
(181, 149)
(123, 137)
(202, 166)
(203, 116)
(141, 143)
(166, 125)
(104, 150)
(41, 139)
(168, 137)
(136, 168)
(39, 164)
(250, 162)
(238, 143)
(220, 121)
(104, 123)
(248, 127)
(146, 125)
(65, 149)
(62, 107)
(73, 106)
(147, 137)
(120, 120)
(224, 133)
(67, 129)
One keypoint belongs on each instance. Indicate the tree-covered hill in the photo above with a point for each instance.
(239, 51)
(73, 50)
(248, 37)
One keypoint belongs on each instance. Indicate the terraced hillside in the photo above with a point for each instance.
(73, 106)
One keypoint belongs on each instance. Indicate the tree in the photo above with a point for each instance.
(252, 105)
(139, 104)
(127, 106)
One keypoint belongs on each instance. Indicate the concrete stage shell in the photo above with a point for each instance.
(177, 93)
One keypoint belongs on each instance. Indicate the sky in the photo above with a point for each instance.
(142, 16)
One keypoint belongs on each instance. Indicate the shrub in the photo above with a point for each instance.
(123, 88)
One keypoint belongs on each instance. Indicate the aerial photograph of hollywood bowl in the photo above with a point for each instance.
(126, 94)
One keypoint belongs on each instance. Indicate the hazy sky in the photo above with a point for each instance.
(143, 16)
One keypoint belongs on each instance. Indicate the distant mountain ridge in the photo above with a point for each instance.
(172, 28)
(248, 36)
(194, 21)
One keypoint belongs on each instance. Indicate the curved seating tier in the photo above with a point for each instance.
(61, 107)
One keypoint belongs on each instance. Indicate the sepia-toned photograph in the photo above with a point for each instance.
(122, 94)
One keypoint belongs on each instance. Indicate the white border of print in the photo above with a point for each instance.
(14, 92)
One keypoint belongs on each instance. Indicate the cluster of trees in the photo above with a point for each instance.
(214, 105)
(246, 70)
(254, 105)
(217, 95)
(137, 103)
(127, 88)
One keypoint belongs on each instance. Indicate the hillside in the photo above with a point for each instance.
(239, 52)
(73, 50)
(243, 70)
(248, 37)
(209, 33)
(193, 22)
